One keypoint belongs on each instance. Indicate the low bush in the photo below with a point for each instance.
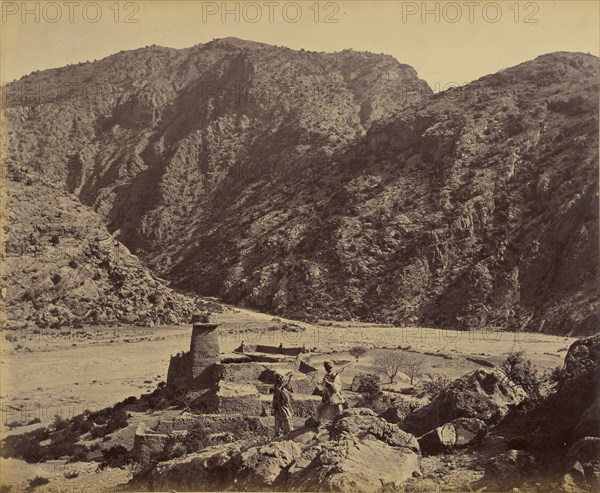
(521, 371)
(116, 456)
(38, 481)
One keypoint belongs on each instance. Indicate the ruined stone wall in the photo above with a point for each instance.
(179, 370)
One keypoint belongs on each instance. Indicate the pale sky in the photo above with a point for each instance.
(446, 42)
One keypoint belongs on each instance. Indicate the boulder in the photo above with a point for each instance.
(206, 469)
(585, 450)
(365, 465)
(469, 431)
(438, 440)
(261, 466)
(510, 469)
(364, 423)
(396, 413)
(589, 422)
(584, 353)
(485, 394)
(459, 433)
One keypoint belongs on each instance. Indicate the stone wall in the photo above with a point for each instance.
(238, 398)
(179, 370)
(147, 444)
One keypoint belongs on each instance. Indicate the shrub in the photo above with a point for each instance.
(369, 387)
(38, 481)
(116, 456)
(358, 351)
(434, 384)
(391, 363)
(79, 453)
(521, 371)
(154, 298)
(28, 295)
(174, 449)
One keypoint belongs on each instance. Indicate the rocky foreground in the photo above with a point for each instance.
(483, 432)
(480, 432)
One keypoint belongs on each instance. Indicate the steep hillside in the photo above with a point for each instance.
(64, 268)
(334, 185)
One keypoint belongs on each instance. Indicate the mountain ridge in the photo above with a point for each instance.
(337, 185)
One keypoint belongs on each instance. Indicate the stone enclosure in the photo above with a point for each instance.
(235, 386)
(239, 382)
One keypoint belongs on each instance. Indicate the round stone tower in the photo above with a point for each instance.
(204, 354)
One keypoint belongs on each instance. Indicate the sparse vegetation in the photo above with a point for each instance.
(434, 384)
(391, 363)
(369, 387)
(520, 370)
(413, 364)
(358, 351)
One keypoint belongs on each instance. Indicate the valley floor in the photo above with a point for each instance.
(92, 368)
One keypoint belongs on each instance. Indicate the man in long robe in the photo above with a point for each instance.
(282, 405)
(332, 403)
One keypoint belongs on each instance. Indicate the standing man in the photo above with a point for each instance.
(282, 404)
(332, 403)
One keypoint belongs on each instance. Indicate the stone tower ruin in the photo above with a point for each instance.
(204, 355)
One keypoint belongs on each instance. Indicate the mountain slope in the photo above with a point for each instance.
(478, 208)
(335, 185)
(64, 268)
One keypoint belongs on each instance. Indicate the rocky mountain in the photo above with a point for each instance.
(65, 268)
(333, 185)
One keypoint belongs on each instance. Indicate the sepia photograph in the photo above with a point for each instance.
(299, 246)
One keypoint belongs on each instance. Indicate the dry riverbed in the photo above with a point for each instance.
(47, 374)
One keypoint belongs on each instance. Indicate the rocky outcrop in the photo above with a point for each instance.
(483, 394)
(347, 465)
(357, 451)
(589, 422)
(459, 433)
(258, 467)
(583, 354)
(585, 450)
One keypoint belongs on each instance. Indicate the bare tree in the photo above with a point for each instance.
(391, 362)
(414, 363)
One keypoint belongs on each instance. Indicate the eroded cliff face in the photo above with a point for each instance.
(335, 185)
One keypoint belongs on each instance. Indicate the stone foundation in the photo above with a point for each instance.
(147, 444)
(238, 398)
